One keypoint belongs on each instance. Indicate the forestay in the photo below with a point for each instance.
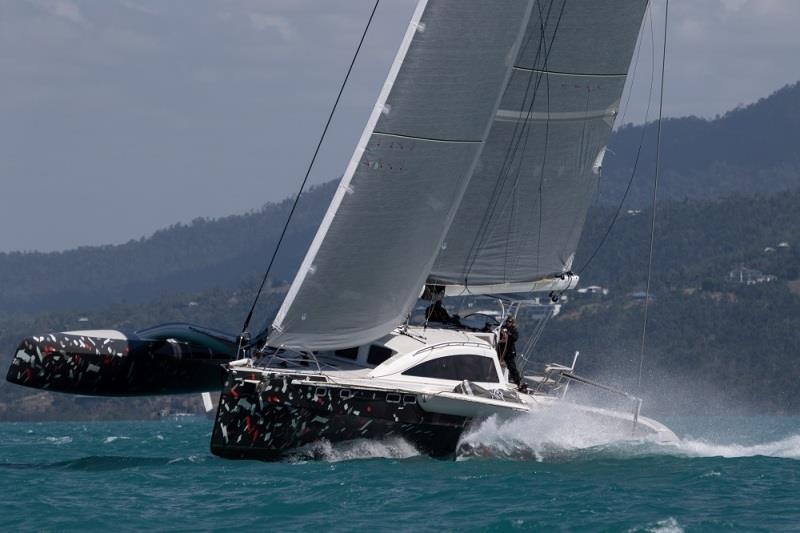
(380, 236)
(523, 211)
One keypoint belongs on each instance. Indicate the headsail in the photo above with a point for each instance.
(519, 222)
(380, 236)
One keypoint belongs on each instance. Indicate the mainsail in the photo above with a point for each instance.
(519, 222)
(380, 236)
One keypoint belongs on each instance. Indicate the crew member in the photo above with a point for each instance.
(507, 350)
(437, 313)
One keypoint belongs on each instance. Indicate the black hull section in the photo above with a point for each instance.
(270, 420)
(81, 364)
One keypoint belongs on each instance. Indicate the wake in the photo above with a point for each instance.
(563, 434)
(787, 448)
(557, 434)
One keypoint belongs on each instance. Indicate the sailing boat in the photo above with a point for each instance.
(473, 177)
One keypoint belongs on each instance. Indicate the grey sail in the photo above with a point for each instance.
(522, 214)
(376, 245)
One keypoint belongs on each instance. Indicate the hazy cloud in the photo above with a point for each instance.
(265, 22)
(731, 53)
(65, 9)
(140, 6)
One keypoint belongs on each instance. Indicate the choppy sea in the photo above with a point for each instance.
(726, 474)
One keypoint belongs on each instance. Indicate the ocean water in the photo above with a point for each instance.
(726, 474)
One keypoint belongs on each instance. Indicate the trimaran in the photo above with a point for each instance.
(473, 177)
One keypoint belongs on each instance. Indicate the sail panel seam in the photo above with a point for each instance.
(432, 139)
(577, 74)
(505, 115)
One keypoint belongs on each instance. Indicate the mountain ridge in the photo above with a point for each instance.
(750, 149)
(703, 159)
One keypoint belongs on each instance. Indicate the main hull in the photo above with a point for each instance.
(271, 414)
(278, 416)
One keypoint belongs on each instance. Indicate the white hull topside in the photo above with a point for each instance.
(414, 346)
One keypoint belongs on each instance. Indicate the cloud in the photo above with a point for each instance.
(267, 22)
(137, 6)
(132, 41)
(65, 9)
(721, 53)
(733, 5)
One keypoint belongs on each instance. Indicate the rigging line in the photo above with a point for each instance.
(541, 175)
(483, 226)
(533, 340)
(521, 125)
(639, 42)
(655, 193)
(517, 138)
(308, 172)
(527, 133)
(638, 150)
(574, 227)
(519, 133)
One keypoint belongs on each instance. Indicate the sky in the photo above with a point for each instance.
(120, 117)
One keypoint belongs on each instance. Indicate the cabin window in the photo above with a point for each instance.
(378, 354)
(347, 353)
(457, 367)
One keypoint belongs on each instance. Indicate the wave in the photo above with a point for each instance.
(109, 440)
(786, 448)
(564, 434)
(59, 440)
(394, 448)
(670, 525)
(94, 463)
(557, 433)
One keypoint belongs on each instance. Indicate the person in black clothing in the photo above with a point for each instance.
(437, 313)
(507, 350)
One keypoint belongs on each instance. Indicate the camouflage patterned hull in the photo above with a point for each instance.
(84, 364)
(276, 417)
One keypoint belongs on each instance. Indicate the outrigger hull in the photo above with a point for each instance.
(168, 359)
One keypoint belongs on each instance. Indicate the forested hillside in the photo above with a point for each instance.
(733, 350)
(205, 253)
(752, 149)
(697, 242)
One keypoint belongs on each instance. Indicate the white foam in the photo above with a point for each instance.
(787, 448)
(669, 525)
(109, 440)
(541, 434)
(59, 440)
(395, 448)
(190, 459)
(562, 431)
